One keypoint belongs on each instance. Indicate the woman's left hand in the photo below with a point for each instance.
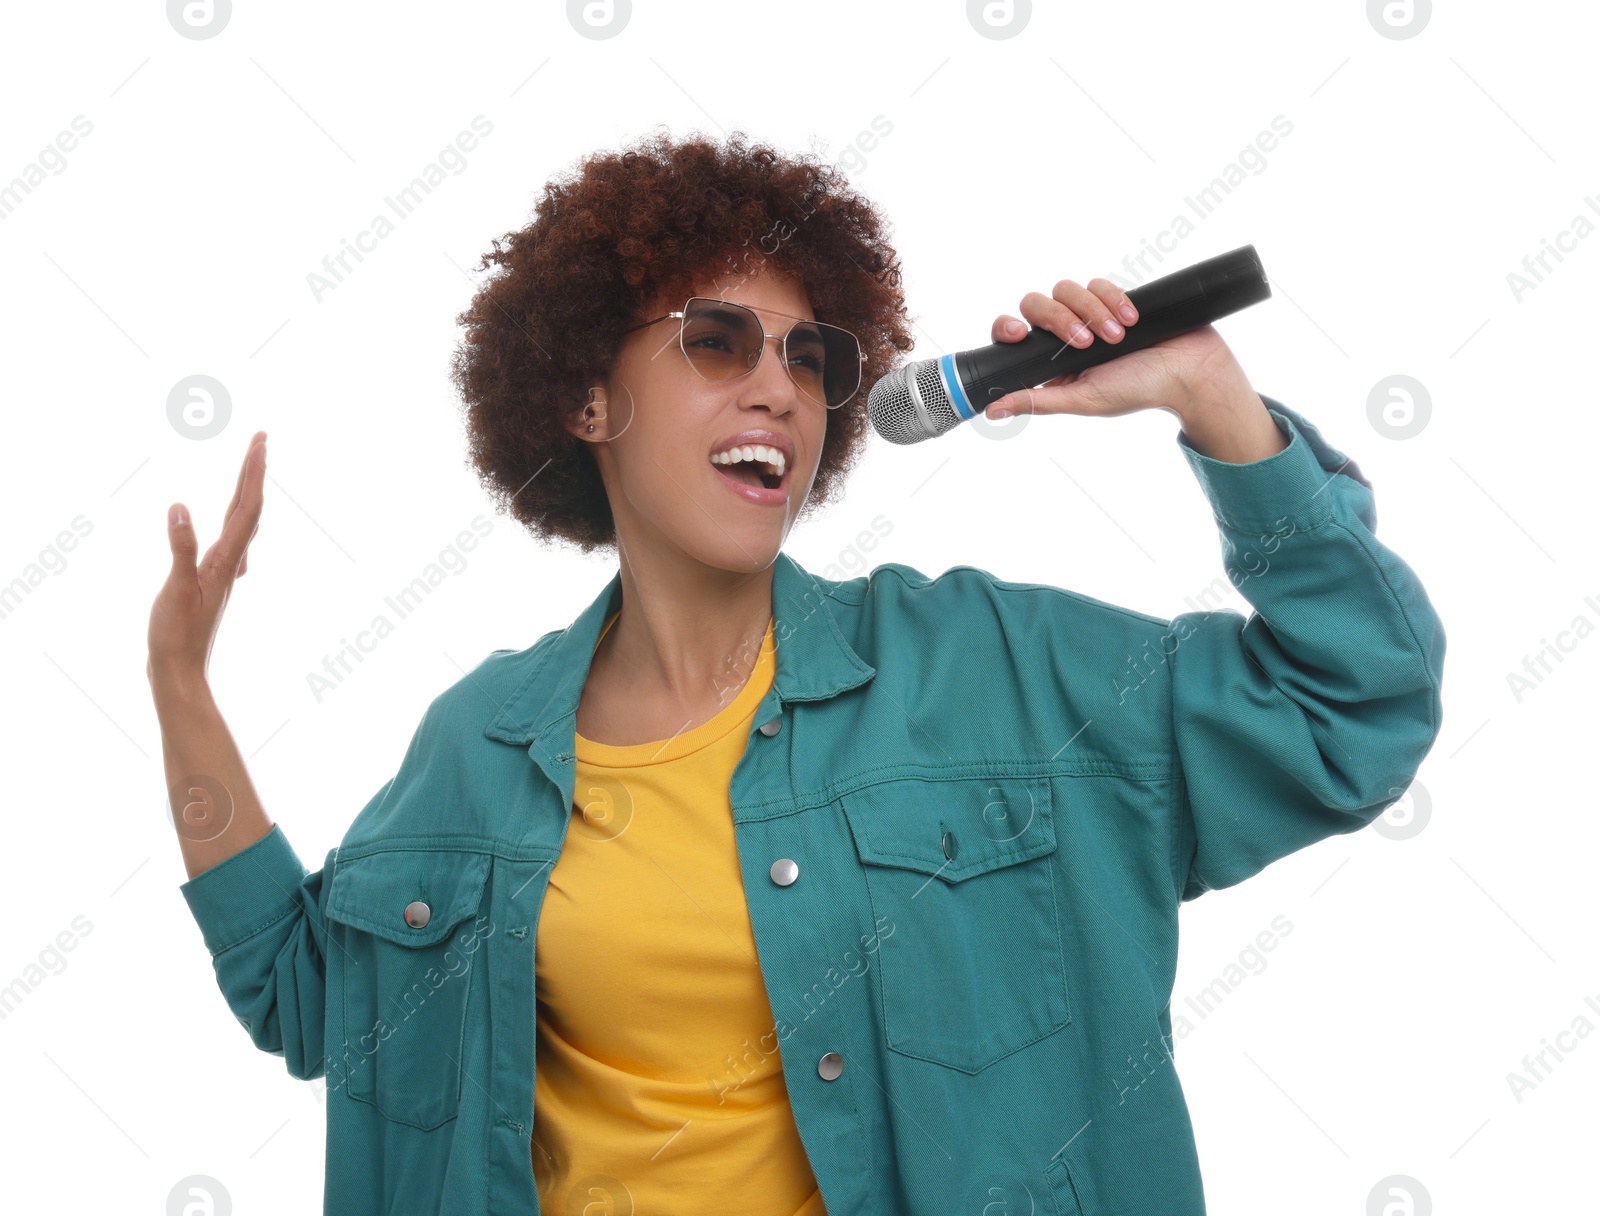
(1181, 374)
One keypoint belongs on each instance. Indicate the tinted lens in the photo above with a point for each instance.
(724, 340)
(825, 362)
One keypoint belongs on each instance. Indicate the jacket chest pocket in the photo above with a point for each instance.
(411, 938)
(972, 969)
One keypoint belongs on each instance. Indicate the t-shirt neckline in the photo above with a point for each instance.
(743, 705)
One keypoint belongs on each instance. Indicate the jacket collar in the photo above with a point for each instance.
(813, 659)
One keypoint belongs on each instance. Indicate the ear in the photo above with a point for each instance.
(590, 421)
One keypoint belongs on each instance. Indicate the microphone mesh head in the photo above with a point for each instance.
(909, 404)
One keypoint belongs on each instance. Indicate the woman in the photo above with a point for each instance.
(752, 889)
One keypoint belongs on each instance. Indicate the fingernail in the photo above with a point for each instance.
(1111, 328)
(998, 414)
(1080, 333)
(179, 518)
(1015, 327)
(1128, 313)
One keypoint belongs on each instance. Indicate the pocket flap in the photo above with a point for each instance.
(372, 892)
(952, 828)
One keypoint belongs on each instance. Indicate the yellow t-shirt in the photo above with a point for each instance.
(659, 1085)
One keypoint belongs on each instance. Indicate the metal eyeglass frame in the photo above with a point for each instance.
(765, 338)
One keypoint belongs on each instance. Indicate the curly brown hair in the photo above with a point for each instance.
(659, 216)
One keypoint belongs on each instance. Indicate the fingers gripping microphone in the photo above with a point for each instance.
(931, 396)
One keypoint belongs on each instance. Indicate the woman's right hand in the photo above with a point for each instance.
(188, 608)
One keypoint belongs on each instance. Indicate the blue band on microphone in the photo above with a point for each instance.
(952, 385)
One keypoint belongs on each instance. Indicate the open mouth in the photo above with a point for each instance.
(752, 475)
(759, 468)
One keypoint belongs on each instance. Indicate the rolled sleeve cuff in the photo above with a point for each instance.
(1259, 496)
(237, 898)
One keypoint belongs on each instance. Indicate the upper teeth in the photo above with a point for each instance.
(771, 457)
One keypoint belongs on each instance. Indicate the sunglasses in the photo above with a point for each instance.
(724, 341)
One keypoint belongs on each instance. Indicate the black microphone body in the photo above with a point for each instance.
(931, 396)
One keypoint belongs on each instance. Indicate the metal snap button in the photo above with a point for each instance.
(784, 871)
(830, 1066)
(418, 914)
(771, 728)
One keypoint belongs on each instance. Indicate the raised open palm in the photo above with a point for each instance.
(188, 608)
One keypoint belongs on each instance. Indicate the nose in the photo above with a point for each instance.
(783, 388)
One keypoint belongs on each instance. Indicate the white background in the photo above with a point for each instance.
(177, 240)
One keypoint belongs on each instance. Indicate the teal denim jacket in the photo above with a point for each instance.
(997, 795)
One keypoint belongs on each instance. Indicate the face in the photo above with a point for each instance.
(663, 423)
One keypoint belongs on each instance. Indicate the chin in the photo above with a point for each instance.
(751, 555)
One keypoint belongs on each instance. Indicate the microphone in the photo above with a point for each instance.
(928, 397)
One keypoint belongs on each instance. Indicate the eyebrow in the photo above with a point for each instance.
(725, 315)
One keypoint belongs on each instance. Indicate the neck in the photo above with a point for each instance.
(686, 631)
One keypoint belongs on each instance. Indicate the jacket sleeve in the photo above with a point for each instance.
(1313, 715)
(263, 918)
